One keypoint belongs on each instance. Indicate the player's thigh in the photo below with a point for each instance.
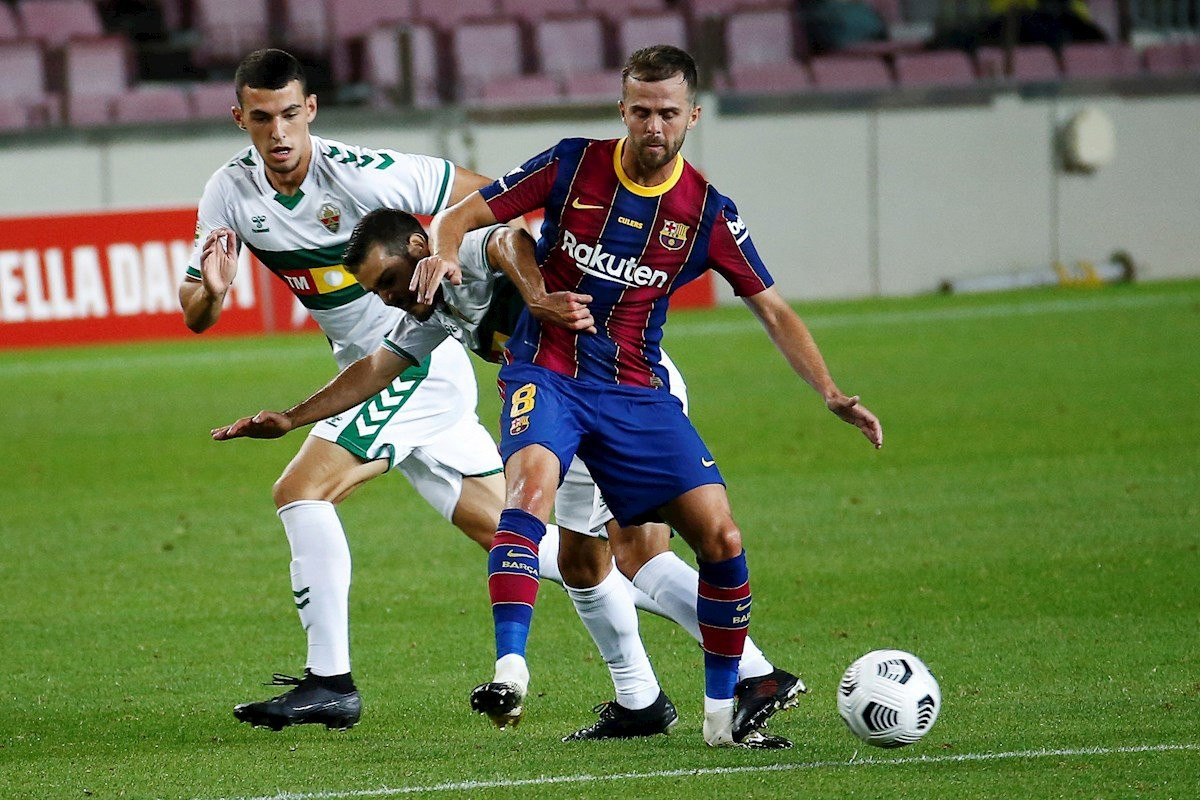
(704, 520)
(323, 470)
(633, 546)
(477, 513)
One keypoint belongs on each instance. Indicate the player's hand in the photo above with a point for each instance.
(218, 261)
(850, 410)
(263, 425)
(429, 273)
(566, 310)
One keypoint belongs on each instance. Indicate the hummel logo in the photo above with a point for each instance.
(707, 462)
(742, 606)
(582, 206)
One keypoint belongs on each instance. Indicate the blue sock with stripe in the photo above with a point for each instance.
(513, 578)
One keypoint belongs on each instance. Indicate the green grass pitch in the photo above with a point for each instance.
(1030, 529)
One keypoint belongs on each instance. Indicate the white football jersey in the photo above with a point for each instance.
(302, 238)
(462, 309)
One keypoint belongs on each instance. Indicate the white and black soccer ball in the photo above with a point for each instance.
(889, 698)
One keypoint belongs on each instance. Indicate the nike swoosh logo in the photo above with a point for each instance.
(707, 462)
(742, 607)
(517, 554)
(583, 206)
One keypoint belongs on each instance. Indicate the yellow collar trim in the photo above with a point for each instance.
(646, 191)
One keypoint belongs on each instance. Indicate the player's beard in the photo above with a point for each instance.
(649, 161)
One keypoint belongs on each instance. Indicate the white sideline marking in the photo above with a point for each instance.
(854, 762)
(301, 349)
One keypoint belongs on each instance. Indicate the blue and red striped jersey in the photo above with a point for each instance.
(626, 245)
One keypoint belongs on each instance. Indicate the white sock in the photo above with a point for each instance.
(548, 556)
(672, 584)
(608, 613)
(512, 669)
(320, 582)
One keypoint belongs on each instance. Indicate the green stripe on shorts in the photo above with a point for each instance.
(359, 436)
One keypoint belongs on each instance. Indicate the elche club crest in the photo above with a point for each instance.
(331, 217)
(673, 235)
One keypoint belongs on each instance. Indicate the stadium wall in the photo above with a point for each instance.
(841, 202)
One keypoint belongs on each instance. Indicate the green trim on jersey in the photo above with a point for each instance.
(192, 272)
(374, 415)
(497, 471)
(400, 351)
(281, 260)
(289, 202)
(444, 192)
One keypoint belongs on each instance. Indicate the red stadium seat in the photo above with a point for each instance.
(448, 15)
(213, 100)
(617, 10)
(569, 45)
(594, 87)
(54, 22)
(703, 9)
(96, 73)
(10, 29)
(942, 68)
(229, 29)
(639, 30)
(532, 11)
(779, 78)
(484, 52)
(850, 73)
(760, 37)
(1033, 63)
(400, 59)
(350, 21)
(306, 26)
(529, 90)
(23, 90)
(1099, 60)
(152, 104)
(1166, 59)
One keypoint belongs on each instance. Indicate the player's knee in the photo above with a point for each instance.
(291, 487)
(721, 544)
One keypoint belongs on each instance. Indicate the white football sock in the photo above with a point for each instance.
(548, 556)
(608, 613)
(512, 669)
(320, 582)
(672, 584)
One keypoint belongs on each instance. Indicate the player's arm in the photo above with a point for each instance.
(791, 336)
(361, 380)
(202, 300)
(464, 183)
(446, 233)
(514, 252)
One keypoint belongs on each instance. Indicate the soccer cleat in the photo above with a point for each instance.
(618, 722)
(758, 699)
(307, 704)
(502, 701)
(757, 740)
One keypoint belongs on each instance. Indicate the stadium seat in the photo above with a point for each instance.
(484, 52)
(705, 9)
(96, 72)
(403, 66)
(229, 29)
(1166, 59)
(533, 11)
(759, 37)
(152, 104)
(616, 10)
(1099, 60)
(14, 115)
(306, 26)
(23, 90)
(448, 15)
(778, 78)
(569, 45)
(642, 29)
(594, 87)
(529, 90)
(350, 21)
(10, 29)
(212, 100)
(941, 68)
(54, 22)
(850, 73)
(1033, 63)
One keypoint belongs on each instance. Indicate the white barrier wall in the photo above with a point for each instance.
(840, 203)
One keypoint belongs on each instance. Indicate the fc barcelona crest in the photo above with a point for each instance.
(519, 426)
(673, 235)
(331, 217)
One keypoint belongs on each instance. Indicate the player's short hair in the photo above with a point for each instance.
(659, 62)
(389, 227)
(269, 69)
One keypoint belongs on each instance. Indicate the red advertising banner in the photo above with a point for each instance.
(114, 276)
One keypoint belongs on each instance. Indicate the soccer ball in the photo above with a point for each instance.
(889, 698)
